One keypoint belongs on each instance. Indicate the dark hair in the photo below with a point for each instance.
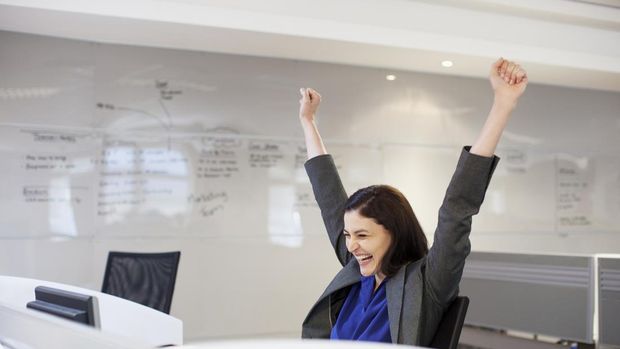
(389, 207)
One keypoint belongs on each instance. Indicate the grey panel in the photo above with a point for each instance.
(609, 301)
(548, 295)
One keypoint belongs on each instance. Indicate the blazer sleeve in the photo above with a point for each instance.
(331, 198)
(451, 245)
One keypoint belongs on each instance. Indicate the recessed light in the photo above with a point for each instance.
(390, 77)
(446, 64)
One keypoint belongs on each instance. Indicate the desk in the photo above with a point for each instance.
(290, 344)
(118, 318)
(21, 329)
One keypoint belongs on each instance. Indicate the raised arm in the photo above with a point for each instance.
(308, 104)
(466, 191)
(508, 81)
(326, 184)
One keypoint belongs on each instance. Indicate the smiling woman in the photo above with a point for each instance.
(368, 242)
(392, 288)
(384, 214)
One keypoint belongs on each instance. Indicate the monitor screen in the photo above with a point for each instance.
(69, 305)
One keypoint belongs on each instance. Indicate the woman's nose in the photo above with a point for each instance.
(352, 245)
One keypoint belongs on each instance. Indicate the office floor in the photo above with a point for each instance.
(477, 338)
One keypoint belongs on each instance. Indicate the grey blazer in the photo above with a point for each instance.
(419, 292)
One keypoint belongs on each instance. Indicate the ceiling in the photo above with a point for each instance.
(568, 43)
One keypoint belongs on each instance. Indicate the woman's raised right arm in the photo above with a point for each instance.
(326, 184)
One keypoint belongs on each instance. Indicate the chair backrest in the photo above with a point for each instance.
(145, 278)
(449, 329)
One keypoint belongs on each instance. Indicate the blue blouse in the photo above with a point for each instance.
(364, 314)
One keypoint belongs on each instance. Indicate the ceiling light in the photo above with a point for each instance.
(390, 77)
(446, 64)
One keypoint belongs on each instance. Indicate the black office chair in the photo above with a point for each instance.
(145, 278)
(449, 330)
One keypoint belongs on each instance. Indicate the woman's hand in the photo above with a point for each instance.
(308, 104)
(508, 80)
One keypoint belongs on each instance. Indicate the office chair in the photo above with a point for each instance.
(449, 329)
(145, 278)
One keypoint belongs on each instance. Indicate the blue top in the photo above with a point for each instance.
(364, 314)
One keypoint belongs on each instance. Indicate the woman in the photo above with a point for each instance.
(392, 288)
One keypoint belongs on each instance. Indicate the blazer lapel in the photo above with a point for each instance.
(404, 325)
(394, 293)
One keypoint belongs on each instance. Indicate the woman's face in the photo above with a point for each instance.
(367, 240)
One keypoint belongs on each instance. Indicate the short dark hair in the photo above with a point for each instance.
(389, 207)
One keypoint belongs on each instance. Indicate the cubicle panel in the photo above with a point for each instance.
(541, 294)
(609, 301)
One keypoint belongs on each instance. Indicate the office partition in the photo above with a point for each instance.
(549, 295)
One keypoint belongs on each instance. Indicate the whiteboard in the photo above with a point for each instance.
(89, 183)
(156, 142)
(49, 82)
(83, 183)
(48, 179)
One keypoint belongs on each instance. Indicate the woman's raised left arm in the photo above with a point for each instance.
(467, 188)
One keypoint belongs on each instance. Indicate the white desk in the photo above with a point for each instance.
(290, 344)
(119, 319)
(21, 329)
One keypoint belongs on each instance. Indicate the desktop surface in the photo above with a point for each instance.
(289, 344)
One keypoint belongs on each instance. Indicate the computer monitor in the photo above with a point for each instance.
(69, 305)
